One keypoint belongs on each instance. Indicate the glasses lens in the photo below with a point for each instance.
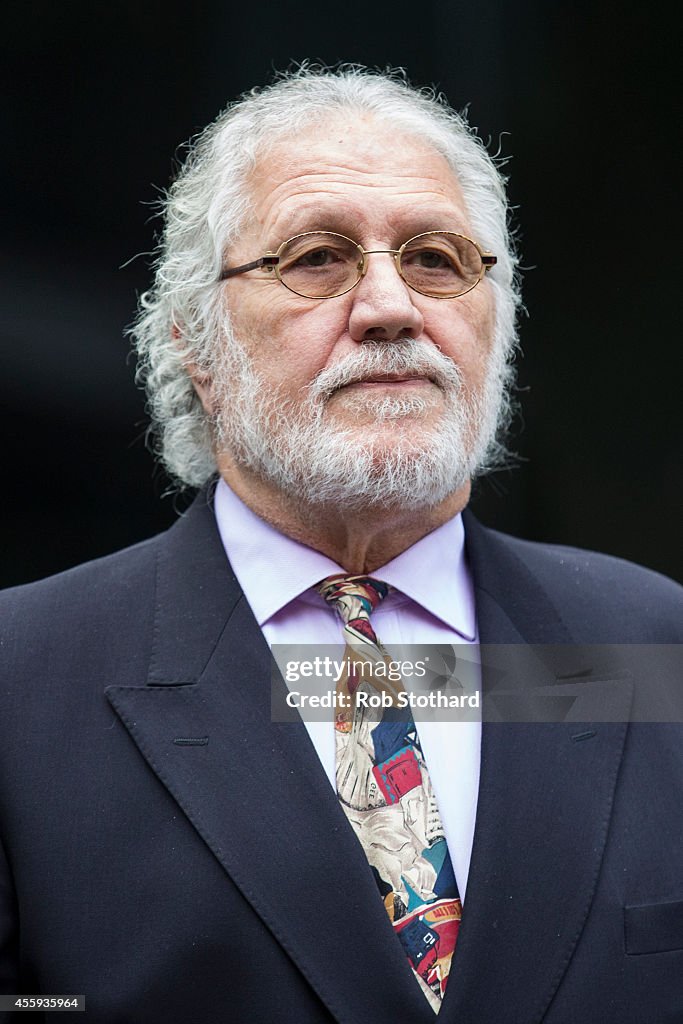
(320, 264)
(441, 263)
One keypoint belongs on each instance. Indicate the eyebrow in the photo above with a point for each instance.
(324, 216)
(346, 225)
(319, 220)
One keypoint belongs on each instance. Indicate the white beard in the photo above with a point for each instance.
(299, 448)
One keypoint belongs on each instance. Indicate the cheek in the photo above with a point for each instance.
(289, 341)
(465, 337)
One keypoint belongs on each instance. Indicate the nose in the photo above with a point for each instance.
(383, 307)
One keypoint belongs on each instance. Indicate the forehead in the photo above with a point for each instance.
(355, 175)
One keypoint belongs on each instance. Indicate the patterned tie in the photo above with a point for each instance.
(385, 790)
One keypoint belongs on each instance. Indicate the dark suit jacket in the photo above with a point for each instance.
(219, 881)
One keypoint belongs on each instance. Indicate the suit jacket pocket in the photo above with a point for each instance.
(653, 927)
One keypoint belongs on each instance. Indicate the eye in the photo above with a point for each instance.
(430, 259)
(321, 257)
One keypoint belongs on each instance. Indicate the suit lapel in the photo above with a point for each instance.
(254, 790)
(545, 799)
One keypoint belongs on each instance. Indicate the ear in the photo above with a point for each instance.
(201, 381)
(203, 385)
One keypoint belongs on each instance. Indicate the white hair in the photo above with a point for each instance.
(182, 317)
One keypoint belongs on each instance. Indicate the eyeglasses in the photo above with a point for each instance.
(323, 264)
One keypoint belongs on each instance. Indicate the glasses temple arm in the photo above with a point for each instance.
(271, 260)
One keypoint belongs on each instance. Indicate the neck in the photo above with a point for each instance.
(360, 541)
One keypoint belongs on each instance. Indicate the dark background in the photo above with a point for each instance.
(100, 96)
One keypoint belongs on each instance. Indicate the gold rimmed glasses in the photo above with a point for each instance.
(323, 264)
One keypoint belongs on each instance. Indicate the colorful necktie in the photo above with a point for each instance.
(385, 790)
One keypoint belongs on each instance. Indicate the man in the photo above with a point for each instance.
(330, 333)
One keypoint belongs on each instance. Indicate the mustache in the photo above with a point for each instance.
(404, 357)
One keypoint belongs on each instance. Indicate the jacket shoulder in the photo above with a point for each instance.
(83, 607)
(589, 588)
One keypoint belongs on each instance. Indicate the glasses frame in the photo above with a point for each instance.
(270, 263)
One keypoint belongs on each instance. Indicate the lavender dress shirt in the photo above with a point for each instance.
(433, 603)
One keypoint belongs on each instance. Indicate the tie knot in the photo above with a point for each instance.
(354, 597)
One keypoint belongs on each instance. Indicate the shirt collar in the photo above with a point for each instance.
(273, 569)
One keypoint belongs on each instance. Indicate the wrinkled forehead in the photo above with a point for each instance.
(359, 163)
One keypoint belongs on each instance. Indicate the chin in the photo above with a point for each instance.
(370, 407)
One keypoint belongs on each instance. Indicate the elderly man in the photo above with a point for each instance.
(326, 351)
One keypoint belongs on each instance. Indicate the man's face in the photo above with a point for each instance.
(382, 370)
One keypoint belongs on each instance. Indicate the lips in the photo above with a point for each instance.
(406, 366)
(390, 378)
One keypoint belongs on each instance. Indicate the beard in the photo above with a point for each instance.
(300, 449)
